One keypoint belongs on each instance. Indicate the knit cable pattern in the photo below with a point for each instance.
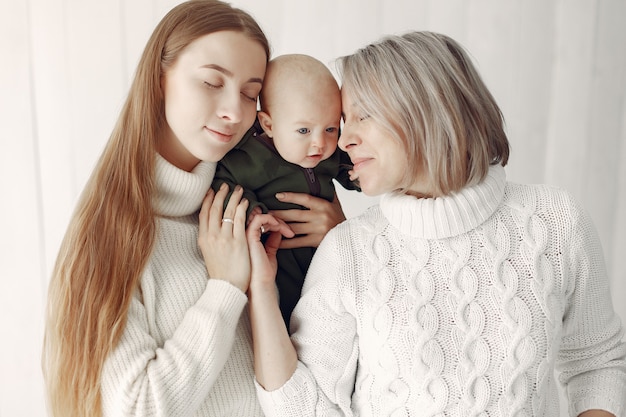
(443, 308)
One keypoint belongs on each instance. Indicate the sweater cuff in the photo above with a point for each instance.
(221, 296)
(299, 392)
(604, 403)
(602, 392)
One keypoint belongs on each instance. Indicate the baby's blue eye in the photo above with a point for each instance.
(331, 129)
(303, 130)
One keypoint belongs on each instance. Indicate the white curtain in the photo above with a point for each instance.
(557, 68)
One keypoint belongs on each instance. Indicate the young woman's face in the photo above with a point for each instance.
(210, 97)
(380, 161)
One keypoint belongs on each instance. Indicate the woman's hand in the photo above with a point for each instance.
(275, 358)
(222, 238)
(263, 257)
(312, 224)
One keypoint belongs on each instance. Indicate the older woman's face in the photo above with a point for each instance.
(380, 161)
(210, 97)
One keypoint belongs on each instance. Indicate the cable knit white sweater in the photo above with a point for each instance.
(186, 350)
(457, 306)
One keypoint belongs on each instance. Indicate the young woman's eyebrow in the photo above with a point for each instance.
(230, 73)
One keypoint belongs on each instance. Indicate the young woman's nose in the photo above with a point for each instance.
(230, 107)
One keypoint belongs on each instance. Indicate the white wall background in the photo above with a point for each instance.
(557, 68)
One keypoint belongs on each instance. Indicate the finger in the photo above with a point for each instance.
(303, 222)
(270, 224)
(307, 228)
(320, 210)
(203, 217)
(253, 231)
(217, 208)
(279, 226)
(239, 226)
(306, 241)
(302, 199)
(292, 215)
(272, 244)
(231, 207)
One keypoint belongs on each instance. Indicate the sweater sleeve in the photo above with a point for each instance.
(142, 379)
(225, 173)
(324, 334)
(343, 175)
(239, 167)
(592, 359)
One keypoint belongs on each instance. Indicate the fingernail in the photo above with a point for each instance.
(223, 186)
(238, 188)
(280, 196)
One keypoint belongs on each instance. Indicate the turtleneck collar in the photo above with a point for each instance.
(180, 193)
(447, 216)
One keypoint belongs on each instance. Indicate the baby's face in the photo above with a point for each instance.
(306, 129)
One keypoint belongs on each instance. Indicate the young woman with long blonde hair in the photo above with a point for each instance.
(146, 304)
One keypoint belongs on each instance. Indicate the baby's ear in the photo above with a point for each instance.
(266, 122)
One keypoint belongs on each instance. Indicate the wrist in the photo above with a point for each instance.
(265, 290)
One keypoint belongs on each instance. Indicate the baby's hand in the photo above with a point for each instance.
(253, 213)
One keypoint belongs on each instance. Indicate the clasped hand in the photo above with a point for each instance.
(231, 252)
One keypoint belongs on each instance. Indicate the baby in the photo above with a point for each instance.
(291, 148)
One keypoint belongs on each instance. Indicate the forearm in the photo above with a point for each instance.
(596, 413)
(142, 374)
(275, 358)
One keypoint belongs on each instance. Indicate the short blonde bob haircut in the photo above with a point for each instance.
(424, 90)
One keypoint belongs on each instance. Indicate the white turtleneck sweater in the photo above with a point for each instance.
(186, 349)
(457, 306)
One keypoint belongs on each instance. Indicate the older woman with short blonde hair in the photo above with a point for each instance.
(460, 294)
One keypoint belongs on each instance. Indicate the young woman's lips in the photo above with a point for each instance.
(220, 135)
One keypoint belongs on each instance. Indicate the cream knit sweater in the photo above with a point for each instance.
(186, 350)
(457, 306)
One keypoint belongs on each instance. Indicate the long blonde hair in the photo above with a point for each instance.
(113, 229)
